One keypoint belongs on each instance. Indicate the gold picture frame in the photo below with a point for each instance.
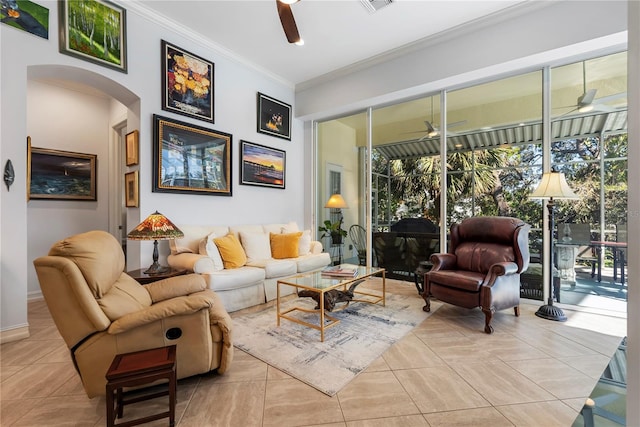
(131, 194)
(60, 175)
(132, 148)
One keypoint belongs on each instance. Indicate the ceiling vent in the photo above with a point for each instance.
(375, 5)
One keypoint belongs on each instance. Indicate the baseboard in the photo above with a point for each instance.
(14, 334)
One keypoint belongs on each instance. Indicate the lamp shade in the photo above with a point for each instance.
(336, 202)
(553, 185)
(155, 227)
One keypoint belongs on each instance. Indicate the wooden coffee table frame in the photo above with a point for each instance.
(316, 282)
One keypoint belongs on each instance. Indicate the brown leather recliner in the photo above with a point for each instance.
(100, 311)
(483, 266)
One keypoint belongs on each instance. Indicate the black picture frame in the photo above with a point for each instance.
(72, 43)
(262, 166)
(60, 175)
(206, 153)
(187, 83)
(274, 117)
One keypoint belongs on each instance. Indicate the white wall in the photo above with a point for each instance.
(80, 126)
(235, 87)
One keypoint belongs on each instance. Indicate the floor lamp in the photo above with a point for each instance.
(337, 202)
(552, 186)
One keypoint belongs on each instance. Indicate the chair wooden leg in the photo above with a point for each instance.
(516, 310)
(426, 290)
(488, 316)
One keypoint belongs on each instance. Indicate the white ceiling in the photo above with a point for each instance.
(337, 33)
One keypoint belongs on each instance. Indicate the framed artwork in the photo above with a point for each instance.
(26, 16)
(132, 148)
(187, 83)
(190, 159)
(94, 30)
(131, 195)
(274, 117)
(262, 166)
(61, 175)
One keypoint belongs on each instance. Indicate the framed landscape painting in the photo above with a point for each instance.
(27, 16)
(61, 175)
(262, 166)
(274, 117)
(94, 30)
(190, 159)
(187, 83)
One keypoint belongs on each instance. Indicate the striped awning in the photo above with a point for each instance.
(574, 127)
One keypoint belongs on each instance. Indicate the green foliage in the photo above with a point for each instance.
(498, 182)
(332, 228)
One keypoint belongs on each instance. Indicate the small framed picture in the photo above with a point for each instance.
(274, 117)
(61, 175)
(132, 148)
(94, 30)
(262, 166)
(131, 194)
(190, 159)
(187, 83)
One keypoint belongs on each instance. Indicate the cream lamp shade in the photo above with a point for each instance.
(336, 202)
(553, 186)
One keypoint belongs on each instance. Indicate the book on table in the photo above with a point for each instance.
(338, 271)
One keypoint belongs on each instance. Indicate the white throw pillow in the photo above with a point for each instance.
(176, 248)
(291, 227)
(209, 248)
(304, 244)
(256, 245)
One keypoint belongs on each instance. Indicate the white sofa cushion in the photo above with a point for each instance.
(235, 278)
(209, 248)
(256, 245)
(276, 267)
(304, 244)
(312, 262)
(193, 234)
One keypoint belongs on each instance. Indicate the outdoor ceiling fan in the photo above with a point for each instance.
(288, 21)
(587, 101)
(432, 131)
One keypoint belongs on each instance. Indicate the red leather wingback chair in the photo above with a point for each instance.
(483, 266)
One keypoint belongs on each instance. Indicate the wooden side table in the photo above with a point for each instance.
(145, 279)
(139, 368)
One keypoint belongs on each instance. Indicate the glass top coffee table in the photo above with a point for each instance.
(326, 290)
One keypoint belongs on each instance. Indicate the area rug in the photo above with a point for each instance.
(365, 332)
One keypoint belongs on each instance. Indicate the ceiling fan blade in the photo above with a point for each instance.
(587, 97)
(430, 128)
(288, 22)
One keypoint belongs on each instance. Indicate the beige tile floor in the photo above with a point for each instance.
(447, 372)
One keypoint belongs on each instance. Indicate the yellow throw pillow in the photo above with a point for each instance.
(284, 245)
(231, 251)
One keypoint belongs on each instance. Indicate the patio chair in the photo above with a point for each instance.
(358, 236)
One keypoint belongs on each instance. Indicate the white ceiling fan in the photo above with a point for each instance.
(432, 131)
(588, 102)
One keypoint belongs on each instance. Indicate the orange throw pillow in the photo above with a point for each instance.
(231, 251)
(284, 245)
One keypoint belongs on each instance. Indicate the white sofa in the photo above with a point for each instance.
(256, 281)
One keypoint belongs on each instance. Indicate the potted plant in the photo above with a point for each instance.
(333, 229)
